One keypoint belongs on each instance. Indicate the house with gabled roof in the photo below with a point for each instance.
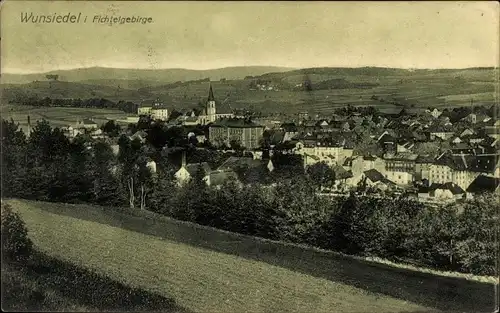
(374, 179)
(187, 171)
(405, 145)
(329, 151)
(448, 191)
(434, 112)
(357, 165)
(86, 123)
(467, 132)
(249, 170)
(440, 131)
(476, 118)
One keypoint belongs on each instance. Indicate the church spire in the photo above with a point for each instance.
(211, 94)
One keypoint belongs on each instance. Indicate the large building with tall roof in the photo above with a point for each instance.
(227, 131)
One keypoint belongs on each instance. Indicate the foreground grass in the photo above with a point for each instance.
(198, 278)
(45, 283)
(22, 292)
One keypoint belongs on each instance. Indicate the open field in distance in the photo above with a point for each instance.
(415, 90)
(58, 116)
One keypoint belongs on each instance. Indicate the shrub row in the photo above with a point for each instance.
(454, 237)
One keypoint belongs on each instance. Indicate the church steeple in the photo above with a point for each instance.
(211, 94)
(210, 108)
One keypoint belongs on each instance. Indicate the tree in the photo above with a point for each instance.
(295, 210)
(52, 77)
(321, 174)
(157, 136)
(106, 186)
(13, 152)
(111, 128)
(163, 192)
(194, 197)
(477, 245)
(72, 180)
(16, 245)
(236, 146)
(128, 155)
(144, 179)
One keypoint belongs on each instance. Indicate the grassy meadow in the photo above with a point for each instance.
(26, 292)
(207, 270)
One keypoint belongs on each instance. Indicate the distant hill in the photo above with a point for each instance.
(272, 89)
(62, 89)
(111, 76)
(377, 71)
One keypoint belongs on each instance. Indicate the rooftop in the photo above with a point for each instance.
(235, 123)
(484, 183)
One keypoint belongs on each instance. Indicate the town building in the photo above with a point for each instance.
(376, 180)
(400, 168)
(233, 130)
(441, 192)
(86, 123)
(187, 171)
(144, 109)
(317, 151)
(210, 114)
(357, 165)
(154, 109)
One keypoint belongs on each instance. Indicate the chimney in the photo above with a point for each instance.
(463, 159)
(183, 158)
(29, 126)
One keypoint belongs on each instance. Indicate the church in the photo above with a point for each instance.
(210, 113)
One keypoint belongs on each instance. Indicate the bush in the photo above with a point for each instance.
(16, 246)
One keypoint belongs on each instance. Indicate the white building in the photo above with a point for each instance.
(187, 171)
(159, 113)
(330, 154)
(156, 110)
(144, 110)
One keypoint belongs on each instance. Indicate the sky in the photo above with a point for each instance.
(205, 35)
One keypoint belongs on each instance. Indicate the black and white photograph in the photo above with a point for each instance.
(250, 156)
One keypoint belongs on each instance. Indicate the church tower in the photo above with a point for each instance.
(210, 105)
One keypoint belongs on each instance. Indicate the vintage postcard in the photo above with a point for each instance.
(224, 156)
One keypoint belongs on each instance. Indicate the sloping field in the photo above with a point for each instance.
(207, 270)
(58, 116)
